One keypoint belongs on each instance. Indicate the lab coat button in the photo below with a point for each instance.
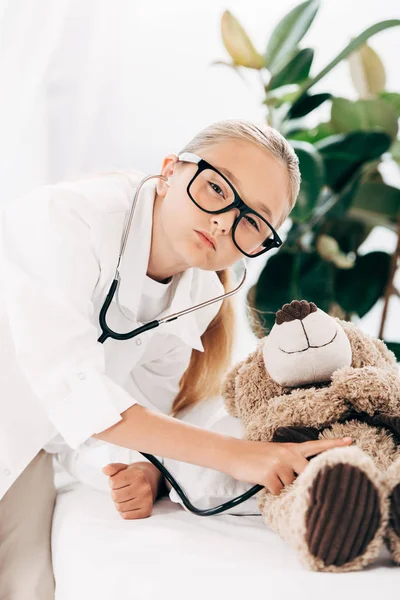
(7, 472)
(138, 342)
(81, 375)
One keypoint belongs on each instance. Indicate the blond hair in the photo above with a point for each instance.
(203, 377)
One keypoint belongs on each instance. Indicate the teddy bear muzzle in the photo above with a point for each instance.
(305, 346)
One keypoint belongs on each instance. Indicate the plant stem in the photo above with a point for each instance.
(390, 289)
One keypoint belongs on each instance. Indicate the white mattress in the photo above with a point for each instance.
(174, 554)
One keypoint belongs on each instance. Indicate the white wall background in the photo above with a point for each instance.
(94, 84)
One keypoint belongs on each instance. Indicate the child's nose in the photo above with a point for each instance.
(225, 220)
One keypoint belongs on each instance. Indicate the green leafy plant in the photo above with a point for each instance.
(343, 195)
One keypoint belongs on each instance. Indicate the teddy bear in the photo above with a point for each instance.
(315, 376)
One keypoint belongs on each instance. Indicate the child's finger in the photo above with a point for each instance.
(316, 446)
(124, 494)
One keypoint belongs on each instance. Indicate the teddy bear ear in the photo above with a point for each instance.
(387, 355)
(367, 350)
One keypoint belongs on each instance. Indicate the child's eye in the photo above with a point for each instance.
(252, 222)
(216, 188)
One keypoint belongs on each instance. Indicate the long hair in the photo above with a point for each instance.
(203, 377)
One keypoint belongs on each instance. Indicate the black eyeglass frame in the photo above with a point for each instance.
(238, 203)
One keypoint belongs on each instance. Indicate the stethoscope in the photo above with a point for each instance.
(107, 332)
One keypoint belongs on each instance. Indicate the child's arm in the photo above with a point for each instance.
(156, 433)
(271, 464)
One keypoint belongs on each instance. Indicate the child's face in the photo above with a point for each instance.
(261, 179)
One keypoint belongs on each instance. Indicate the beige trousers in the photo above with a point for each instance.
(26, 513)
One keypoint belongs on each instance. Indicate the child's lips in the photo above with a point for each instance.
(205, 240)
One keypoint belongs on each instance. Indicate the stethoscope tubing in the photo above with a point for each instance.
(108, 332)
(207, 512)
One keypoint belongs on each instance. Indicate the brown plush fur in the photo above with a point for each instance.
(361, 401)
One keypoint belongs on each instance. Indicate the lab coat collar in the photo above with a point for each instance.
(191, 286)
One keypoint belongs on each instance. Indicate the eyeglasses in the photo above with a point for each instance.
(213, 193)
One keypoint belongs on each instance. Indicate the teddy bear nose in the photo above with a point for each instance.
(297, 309)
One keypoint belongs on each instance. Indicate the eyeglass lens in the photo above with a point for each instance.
(211, 192)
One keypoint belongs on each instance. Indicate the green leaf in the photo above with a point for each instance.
(393, 99)
(306, 104)
(319, 132)
(367, 71)
(288, 33)
(280, 95)
(343, 154)
(363, 115)
(344, 198)
(395, 348)
(317, 278)
(238, 43)
(312, 179)
(379, 199)
(349, 233)
(295, 71)
(354, 44)
(358, 289)
(270, 298)
(293, 276)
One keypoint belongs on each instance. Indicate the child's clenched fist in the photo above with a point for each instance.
(134, 488)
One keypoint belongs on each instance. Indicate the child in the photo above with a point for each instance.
(59, 250)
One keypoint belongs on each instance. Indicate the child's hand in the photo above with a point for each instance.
(134, 488)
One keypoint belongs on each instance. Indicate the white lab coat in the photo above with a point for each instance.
(59, 248)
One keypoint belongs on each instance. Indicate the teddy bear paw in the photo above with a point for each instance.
(337, 531)
(392, 537)
(395, 522)
(345, 511)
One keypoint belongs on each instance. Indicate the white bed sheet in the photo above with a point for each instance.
(176, 555)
